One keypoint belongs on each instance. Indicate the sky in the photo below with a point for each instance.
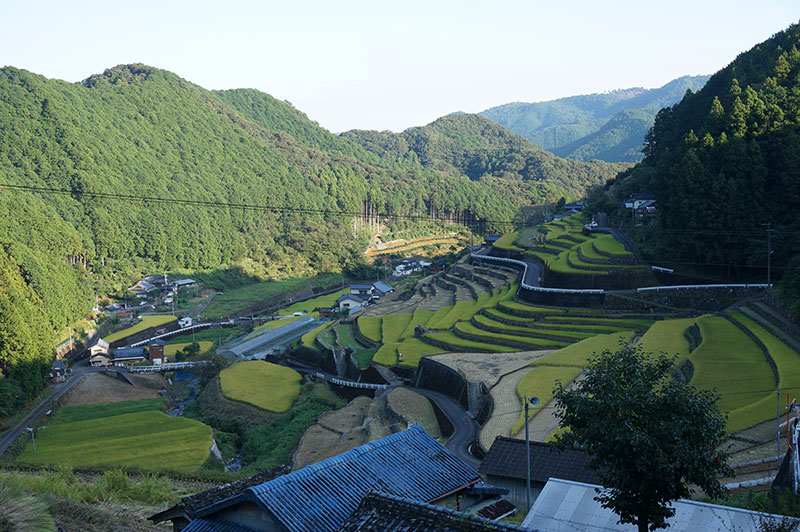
(389, 64)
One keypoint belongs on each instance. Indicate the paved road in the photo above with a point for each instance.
(465, 430)
(9, 436)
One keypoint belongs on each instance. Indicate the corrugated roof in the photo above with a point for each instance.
(506, 458)
(383, 287)
(381, 512)
(216, 525)
(319, 497)
(565, 506)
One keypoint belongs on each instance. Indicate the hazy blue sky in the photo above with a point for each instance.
(392, 64)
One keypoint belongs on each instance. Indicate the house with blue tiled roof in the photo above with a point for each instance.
(320, 497)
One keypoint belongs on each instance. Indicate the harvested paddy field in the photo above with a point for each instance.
(486, 367)
(97, 388)
(262, 384)
(416, 409)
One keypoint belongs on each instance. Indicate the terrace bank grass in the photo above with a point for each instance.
(264, 385)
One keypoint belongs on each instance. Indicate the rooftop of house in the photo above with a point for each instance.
(354, 297)
(320, 497)
(59, 364)
(383, 287)
(361, 286)
(506, 458)
(128, 352)
(566, 505)
(382, 512)
(190, 504)
(216, 525)
(100, 343)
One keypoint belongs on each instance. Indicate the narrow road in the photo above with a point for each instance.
(465, 430)
(8, 437)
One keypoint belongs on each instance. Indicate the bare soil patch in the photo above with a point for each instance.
(488, 368)
(97, 388)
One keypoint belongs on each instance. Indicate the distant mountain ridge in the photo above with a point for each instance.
(471, 145)
(609, 126)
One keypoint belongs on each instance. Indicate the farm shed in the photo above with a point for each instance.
(504, 467)
(320, 497)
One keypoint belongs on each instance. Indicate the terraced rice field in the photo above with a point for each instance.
(147, 440)
(265, 385)
(730, 362)
(370, 327)
(146, 323)
(171, 349)
(308, 338)
(668, 336)
(326, 301)
(540, 382)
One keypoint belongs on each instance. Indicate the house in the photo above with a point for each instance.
(504, 467)
(567, 505)
(380, 288)
(350, 303)
(438, 265)
(646, 208)
(321, 497)
(142, 287)
(155, 350)
(364, 290)
(326, 312)
(98, 353)
(635, 200)
(183, 513)
(382, 512)
(58, 371)
(184, 283)
(128, 355)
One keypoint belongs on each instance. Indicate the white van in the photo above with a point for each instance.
(185, 322)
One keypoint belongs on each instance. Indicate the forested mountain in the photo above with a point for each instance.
(609, 127)
(468, 144)
(725, 162)
(160, 140)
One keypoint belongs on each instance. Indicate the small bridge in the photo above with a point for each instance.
(351, 384)
(170, 366)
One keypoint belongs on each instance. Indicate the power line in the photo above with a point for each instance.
(226, 205)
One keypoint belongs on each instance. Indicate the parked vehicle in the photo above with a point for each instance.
(185, 322)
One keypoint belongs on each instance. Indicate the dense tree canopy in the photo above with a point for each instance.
(650, 436)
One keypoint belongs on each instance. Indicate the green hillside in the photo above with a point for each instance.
(723, 163)
(609, 126)
(471, 145)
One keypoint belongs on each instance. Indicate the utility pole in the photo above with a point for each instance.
(532, 402)
(769, 254)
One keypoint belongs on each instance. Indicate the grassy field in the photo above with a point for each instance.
(577, 355)
(243, 297)
(147, 440)
(370, 327)
(507, 242)
(420, 317)
(71, 414)
(171, 349)
(533, 343)
(730, 362)
(667, 336)
(268, 386)
(540, 382)
(387, 354)
(460, 344)
(566, 334)
(326, 301)
(786, 359)
(393, 326)
(609, 244)
(308, 338)
(146, 323)
(413, 349)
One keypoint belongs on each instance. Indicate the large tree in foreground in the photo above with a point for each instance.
(650, 436)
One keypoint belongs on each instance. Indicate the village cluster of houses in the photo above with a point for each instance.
(162, 283)
(102, 354)
(409, 482)
(642, 204)
(362, 295)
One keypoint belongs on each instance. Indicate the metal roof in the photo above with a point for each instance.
(381, 512)
(506, 458)
(216, 525)
(565, 506)
(319, 497)
(383, 287)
